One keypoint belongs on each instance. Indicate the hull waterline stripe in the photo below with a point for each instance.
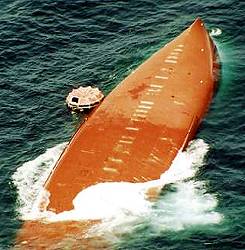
(135, 119)
(156, 86)
(144, 107)
(115, 160)
(128, 137)
(161, 77)
(170, 61)
(140, 115)
(147, 102)
(174, 53)
(125, 142)
(153, 93)
(113, 170)
(154, 90)
(155, 157)
(131, 128)
(172, 57)
(136, 179)
(141, 111)
(179, 103)
(180, 50)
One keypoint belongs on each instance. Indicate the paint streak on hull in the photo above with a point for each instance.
(137, 131)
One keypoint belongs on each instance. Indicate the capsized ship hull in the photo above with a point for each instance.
(136, 132)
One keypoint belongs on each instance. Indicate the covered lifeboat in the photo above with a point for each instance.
(135, 134)
(84, 98)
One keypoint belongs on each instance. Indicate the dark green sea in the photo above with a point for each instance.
(48, 47)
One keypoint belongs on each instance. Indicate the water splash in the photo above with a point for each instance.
(215, 32)
(184, 202)
(121, 205)
(31, 176)
(188, 205)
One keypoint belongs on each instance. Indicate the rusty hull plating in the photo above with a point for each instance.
(136, 132)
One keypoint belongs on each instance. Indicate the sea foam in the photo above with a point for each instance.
(122, 205)
(31, 176)
(215, 32)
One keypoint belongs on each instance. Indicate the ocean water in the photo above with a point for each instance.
(49, 47)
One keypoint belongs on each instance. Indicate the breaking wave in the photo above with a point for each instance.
(122, 206)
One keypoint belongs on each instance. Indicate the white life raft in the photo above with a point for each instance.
(84, 98)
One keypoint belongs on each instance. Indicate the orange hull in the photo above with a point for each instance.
(141, 125)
